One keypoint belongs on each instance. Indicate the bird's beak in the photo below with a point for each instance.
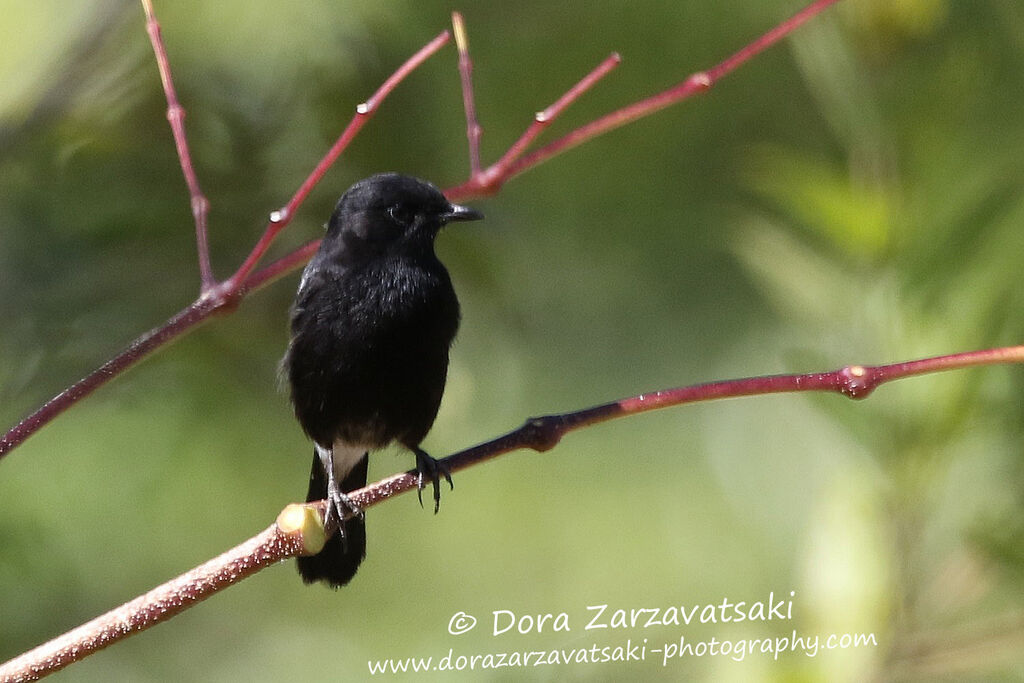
(457, 212)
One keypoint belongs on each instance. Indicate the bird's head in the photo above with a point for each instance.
(390, 213)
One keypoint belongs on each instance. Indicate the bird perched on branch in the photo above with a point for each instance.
(371, 326)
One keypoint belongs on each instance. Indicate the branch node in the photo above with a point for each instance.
(364, 108)
(175, 112)
(856, 381)
(279, 216)
(543, 433)
(200, 206)
(220, 298)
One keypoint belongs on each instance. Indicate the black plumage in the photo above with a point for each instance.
(371, 327)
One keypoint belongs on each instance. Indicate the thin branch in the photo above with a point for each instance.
(199, 311)
(543, 433)
(159, 604)
(299, 531)
(696, 83)
(280, 267)
(364, 112)
(490, 180)
(225, 296)
(543, 119)
(176, 117)
(473, 130)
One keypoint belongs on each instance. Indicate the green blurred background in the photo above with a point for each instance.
(853, 195)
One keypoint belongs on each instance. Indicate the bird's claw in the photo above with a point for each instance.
(338, 505)
(427, 468)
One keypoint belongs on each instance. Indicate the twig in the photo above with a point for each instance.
(279, 268)
(499, 171)
(176, 117)
(543, 433)
(159, 604)
(199, 311)
(490, 180)
(299, 531)
(473, 130)
(364, 112)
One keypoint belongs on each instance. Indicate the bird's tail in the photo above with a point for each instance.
(337, 563)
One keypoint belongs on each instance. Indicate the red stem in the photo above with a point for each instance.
(280, 267)
(176, 117)
(545, 118)
(473, 130)
(696, 83)
(364, 112)
(491, 179)
(543, 433)
(196, 313)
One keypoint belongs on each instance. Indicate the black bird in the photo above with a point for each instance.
(371, 326)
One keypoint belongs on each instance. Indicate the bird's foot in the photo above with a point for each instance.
(427, 468)
(339, 504)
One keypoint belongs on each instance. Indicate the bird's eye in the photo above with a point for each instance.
(401, 214)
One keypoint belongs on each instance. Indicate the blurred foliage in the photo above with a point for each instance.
(853, 195)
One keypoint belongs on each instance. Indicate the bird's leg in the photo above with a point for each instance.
(338, 503)
(429, 468)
